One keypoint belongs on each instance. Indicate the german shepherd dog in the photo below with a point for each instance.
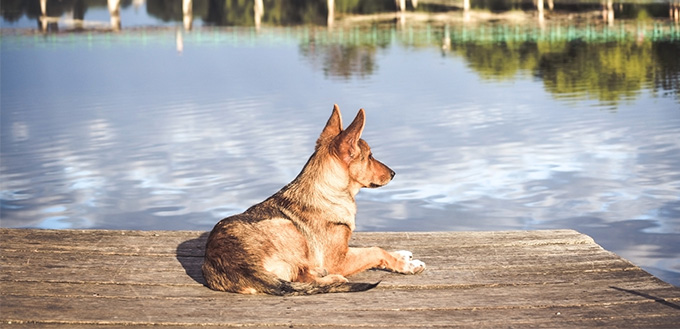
(296, 242)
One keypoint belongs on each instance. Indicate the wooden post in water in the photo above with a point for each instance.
(401, 9)
(188, 14)
(466, 10)
(114, 11)
(608, 12)
(179, 42)
(401, 5)
(43, 15)
(258, 12)
(446, 40)
(331, 13)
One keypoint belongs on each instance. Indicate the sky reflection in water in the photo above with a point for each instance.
(121, 131)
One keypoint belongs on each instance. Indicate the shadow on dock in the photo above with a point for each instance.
(190, 254)
(656, 299)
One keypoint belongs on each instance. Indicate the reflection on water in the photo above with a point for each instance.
(494, 123)
(80, 14)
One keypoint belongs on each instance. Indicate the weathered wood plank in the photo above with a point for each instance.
(191, 243)
(498, 296)
(81, 279)
(473, 268)
(441, 257)
(324, 311)
(438, 277)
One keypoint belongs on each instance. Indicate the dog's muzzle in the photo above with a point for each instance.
(374, 185)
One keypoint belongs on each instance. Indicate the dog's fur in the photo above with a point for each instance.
(296, 241)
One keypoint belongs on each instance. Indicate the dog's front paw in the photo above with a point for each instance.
(332, 278)
(410, 265)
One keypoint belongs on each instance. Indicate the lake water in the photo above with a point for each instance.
(493, 119)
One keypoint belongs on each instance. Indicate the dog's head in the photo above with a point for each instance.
(352, 151)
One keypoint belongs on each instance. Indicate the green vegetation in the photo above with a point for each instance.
(586, 59)
(605, 64)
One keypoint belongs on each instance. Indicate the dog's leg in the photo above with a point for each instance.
(360, 259)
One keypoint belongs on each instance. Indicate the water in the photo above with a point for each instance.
(490, 125)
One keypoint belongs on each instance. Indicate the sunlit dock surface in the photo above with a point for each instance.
(554, 278)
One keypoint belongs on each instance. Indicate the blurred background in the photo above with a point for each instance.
(496, 114)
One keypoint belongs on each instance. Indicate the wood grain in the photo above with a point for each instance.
(557, 278)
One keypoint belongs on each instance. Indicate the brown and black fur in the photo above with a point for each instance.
(296, 241)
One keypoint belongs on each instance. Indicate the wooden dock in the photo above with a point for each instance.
(111, 279)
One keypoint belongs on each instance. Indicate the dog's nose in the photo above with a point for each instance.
(392, 173)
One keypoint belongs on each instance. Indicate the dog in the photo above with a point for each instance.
(296, 242)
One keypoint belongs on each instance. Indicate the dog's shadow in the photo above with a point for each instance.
(190, 254)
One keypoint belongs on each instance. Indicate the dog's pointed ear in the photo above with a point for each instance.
(348, 141)
(333, 127)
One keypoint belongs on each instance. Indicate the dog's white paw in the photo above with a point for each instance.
(412, 266)
(404, 254)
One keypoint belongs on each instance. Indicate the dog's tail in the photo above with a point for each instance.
(287, 288)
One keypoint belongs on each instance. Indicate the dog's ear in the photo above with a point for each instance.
(333, 127)
(348, 141)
